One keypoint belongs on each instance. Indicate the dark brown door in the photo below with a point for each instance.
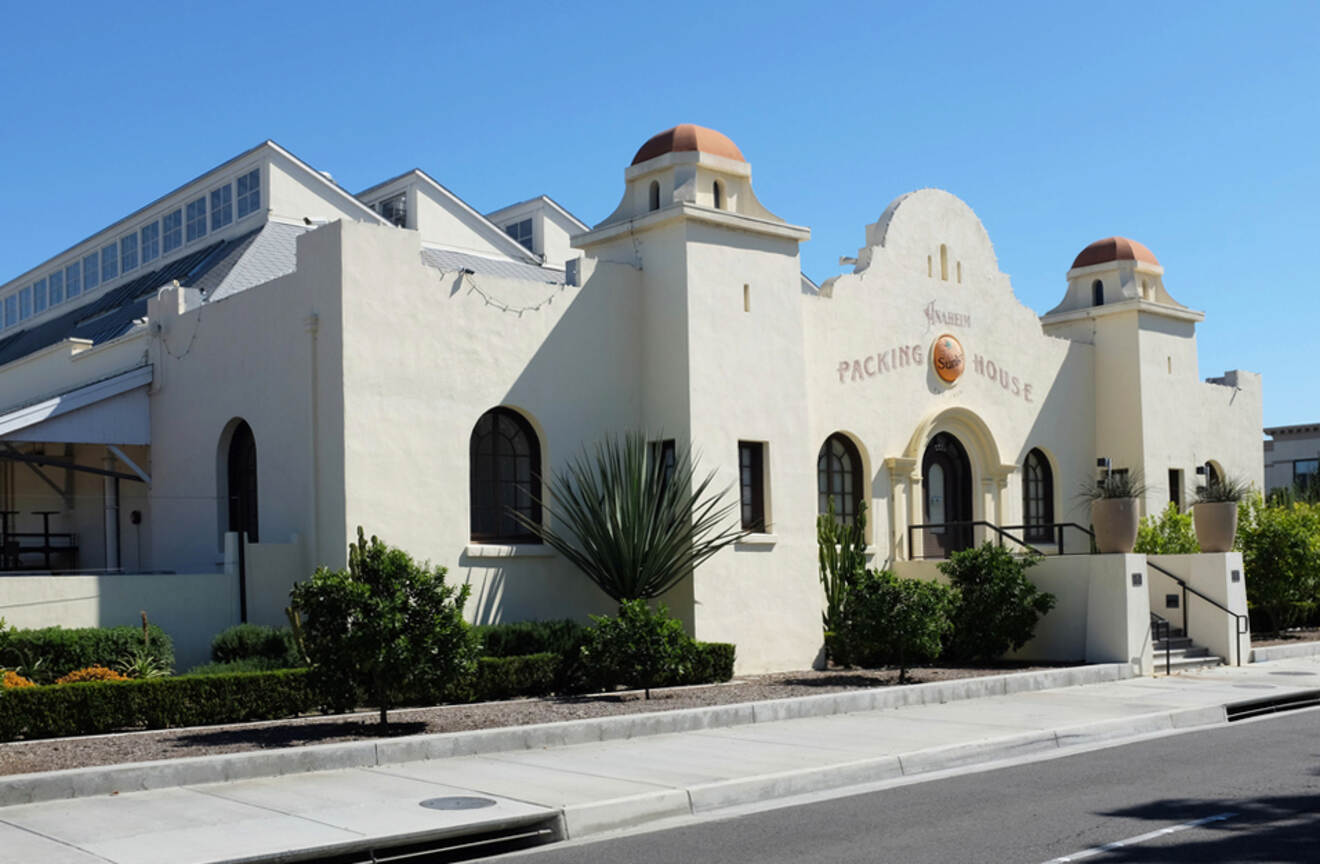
(946, 482)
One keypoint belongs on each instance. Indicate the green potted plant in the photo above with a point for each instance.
(1215, 512)
(1115, 510)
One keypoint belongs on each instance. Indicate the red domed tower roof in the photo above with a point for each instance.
(688, 137)
(1114, 249)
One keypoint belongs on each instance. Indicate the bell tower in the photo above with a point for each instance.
(1145, 362)
(721, 355)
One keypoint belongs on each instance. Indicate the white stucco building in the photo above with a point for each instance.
(261, 351)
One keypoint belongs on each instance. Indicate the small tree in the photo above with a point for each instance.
(842, 552)
(634, 525)
(997, 607)
(1281, 555)
(898, 621)
(384, 628)
(1169, 533)
(641, 647)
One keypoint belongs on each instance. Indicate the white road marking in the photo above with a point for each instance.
(1140, 838)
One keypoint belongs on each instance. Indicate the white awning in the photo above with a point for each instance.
(113, 410)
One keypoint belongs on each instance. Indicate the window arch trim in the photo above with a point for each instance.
(1037, 497)
(504, 472)
(841, 477)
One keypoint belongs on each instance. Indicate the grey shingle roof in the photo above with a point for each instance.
(112, 314)
(268, 254)
(452, 262)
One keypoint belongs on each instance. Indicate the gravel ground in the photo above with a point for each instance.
(23, 757)
(1288, 637)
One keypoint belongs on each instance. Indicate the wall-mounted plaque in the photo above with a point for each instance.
(947, 355)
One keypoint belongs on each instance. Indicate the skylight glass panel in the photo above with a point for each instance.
(109, 262)
(249, 193)
(128, 252)
(25, 302)
(222, 207)
(196, 219)
(56, 287)
(173, 225)
(38, 296)
(150, 242)
(73, 279)
(91, 272)
(11, 310)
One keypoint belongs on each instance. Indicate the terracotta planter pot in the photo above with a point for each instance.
(1115, 521)
(1216, 525)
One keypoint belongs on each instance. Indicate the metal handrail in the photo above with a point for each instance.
(972, 524)
(1239, 619)
(1003, 532)
(1161, 625)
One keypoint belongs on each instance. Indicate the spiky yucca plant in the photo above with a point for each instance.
(634, 528)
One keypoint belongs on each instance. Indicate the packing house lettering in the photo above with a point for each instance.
(260, 361)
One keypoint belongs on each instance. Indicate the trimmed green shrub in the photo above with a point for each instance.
(508, 677)
(997, 605)
(641, 648)
(709, 662)
(520, 638)
(155, 703)
(896, 621)
(272, 645)
(252, 664)
(1169, 533)
(385, 629)
(51, 652)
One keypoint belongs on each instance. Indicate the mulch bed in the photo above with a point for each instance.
(1287, 637)
(21, 757)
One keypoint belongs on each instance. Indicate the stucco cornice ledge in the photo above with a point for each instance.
(1146, 306)
(697, 213)
(508, 550)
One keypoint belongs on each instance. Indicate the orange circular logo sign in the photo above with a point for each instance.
(947, 355)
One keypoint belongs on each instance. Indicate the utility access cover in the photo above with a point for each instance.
(458, 802)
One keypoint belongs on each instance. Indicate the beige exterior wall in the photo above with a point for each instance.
(191, 607)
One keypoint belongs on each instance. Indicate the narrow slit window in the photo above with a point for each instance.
(718, 192)
(944, 262)
(751, 474)
(654, 195)
(747, 298)
(1097, 293)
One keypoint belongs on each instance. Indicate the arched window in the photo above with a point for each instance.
(1097, 293)
(944, 262)
(505, 476)
(655, 194)
(839, 478)
(1037, 498)
(718, 191)
(242, 479)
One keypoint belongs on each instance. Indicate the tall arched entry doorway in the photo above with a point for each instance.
(241, 489)
(946, 483)
(243, 482)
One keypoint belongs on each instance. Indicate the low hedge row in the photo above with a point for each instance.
(509, 677)
(61, 651)
(152, 703)
(236, 697)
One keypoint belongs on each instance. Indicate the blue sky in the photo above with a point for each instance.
(1192, 127)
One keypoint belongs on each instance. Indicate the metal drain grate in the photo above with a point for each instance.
(1273, 705)
(1291, 672)
(444, 850)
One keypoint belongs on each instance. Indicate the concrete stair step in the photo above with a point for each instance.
(1174, 643)
(1184, 663)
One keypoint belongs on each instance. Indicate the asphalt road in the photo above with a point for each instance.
(1257, 782)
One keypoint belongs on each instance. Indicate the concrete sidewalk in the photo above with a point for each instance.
(579, 789)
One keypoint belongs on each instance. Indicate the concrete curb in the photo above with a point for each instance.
(141, 776)
(1284, 652)
(635, 811)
